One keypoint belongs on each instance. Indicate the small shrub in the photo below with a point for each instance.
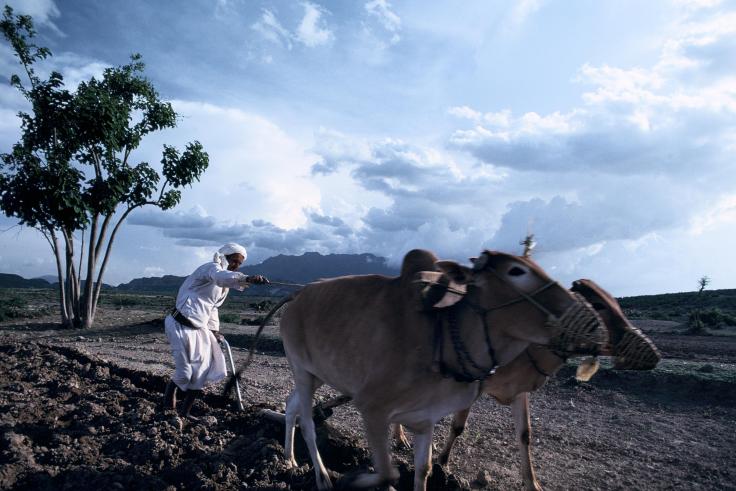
(12, 307)
(253, 321)
(230, 318)
(262, 306)
(16, 307)
(713, 318)
(695, 325)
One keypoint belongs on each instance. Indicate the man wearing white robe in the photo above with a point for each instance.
(193, 326)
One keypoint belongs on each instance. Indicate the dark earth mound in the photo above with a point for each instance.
(72, 421)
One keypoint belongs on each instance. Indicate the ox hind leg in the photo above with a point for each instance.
(522, 424)
(456, 429)
(301, 401)
(399, 436)
(292, 409)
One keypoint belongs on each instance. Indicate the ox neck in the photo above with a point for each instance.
(466, 368)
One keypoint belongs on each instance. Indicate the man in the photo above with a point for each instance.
(193, 326)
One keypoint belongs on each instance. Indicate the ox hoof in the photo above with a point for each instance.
(323, 482)
(365, 480)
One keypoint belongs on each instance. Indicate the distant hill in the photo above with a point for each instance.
(308, 267)
(163, 284)
(677, 305)
(51, 278)
(15, 281)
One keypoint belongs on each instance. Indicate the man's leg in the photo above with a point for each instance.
(180, 378)
(170, 395)
(191, 396)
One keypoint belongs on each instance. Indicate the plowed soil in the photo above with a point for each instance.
(81, 410)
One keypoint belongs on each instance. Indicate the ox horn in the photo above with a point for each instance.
(480, 262)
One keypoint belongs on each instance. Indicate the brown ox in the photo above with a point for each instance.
(363, 336)
(512, 383)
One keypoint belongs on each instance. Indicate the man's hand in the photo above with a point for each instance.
(257, 280)
(219, 337)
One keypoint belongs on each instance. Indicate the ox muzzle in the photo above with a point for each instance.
(579, 330)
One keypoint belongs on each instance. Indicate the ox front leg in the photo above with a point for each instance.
(377, 434)
(522, 424)
(422, 458)
(457, 428)
(305, 385)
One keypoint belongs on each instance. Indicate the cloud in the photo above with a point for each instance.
(310, 32)
(262, 239)
(638, 120)
(153, 271)
(257, 170)
(522, 9)
(336, 149)
(649, 151)
(428, 200)
(42, 11)
(75, 68)
(380, 11)
(271, 29)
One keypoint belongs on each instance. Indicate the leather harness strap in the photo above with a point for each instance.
(179, 317)
(463, 357)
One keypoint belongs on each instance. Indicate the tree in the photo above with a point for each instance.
(695, 320)
(70, 176)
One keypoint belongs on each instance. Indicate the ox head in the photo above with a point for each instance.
(522, 300)
(631, 349)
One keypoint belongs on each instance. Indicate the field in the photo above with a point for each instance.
(80, 409)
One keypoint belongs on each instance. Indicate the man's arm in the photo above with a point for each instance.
(228, 279)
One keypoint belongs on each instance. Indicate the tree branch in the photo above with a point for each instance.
(114, 232)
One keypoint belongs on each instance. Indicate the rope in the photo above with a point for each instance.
(234, 377)
(281, 283)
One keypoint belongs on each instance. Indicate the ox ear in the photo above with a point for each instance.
(456, 272)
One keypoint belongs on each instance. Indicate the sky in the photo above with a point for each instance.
(607, 129)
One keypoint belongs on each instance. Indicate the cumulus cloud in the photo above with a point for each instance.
(429, 200)
(42, 11)
(664, 118)
(623, 164)
(262, 238)
(257, 170)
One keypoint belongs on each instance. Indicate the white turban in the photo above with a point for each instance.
(226, 250)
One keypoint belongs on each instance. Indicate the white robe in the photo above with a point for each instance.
(197, 354)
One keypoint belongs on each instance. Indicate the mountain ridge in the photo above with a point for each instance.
(302, 269)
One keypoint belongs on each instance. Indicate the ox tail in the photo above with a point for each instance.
(236, 376)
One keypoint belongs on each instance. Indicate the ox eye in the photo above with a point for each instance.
(598, 306)
(516, 271)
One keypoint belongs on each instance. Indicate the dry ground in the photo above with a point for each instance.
(80, 410)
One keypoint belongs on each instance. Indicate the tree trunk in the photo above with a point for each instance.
(108, 249)
(72, 280)
(87, 311)
(66, 319)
